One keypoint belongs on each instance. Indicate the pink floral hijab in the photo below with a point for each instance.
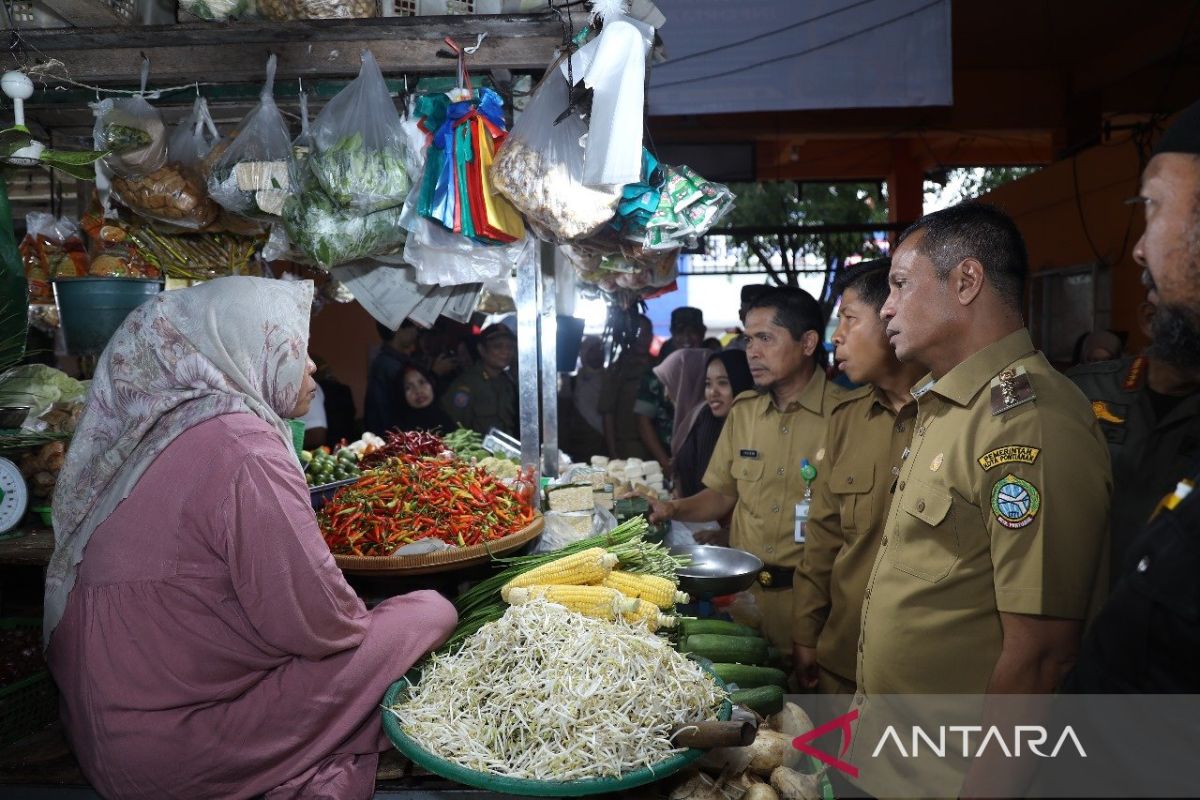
(231, 345)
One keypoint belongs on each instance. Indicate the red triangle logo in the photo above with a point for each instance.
(841, 723)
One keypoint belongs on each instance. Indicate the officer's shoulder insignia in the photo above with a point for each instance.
(1009, 454)
(1010, 389)
(1108, 412)
(1015, 502)
(461, 398)
(1136, 374)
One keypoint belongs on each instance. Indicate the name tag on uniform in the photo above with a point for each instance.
(748, 453)
(800, 521)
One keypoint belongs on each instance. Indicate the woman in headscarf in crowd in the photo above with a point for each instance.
(727, 374)
(203, 640)
(417, 398)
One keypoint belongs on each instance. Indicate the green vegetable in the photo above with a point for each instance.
(726, 649)
(39, 387)
(749, 677)
(691, 625)
(124, 138)
(330, 236)
(765, 700)
(355, 177)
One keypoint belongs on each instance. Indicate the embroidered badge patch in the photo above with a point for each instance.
(461, 399)
(1010, 454)
(1015, 502)
(1104, 412)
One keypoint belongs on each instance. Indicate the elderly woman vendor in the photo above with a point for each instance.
(203, 640)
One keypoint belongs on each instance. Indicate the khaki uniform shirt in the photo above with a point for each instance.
(1001, 506)
(863, 451)
(1149, 453)
(481, 403)
(757, 460)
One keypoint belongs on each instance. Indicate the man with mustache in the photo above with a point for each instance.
(995, 548)
(769, 458)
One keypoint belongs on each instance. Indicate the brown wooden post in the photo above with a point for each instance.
(905, 186)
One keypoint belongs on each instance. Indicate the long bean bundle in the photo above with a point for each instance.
(547, 694)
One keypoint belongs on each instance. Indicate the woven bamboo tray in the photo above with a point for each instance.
(443, 560)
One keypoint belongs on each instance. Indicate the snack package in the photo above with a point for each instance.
(113, 252)
(357, 148)
(540, 168)
(134, 133)
(250, 176)
(51, 249)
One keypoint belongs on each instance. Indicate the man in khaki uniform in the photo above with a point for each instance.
(771, 451)
(484, 396)
(867, 435)
(994, 550)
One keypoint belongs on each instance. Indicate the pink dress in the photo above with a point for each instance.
(211, 647)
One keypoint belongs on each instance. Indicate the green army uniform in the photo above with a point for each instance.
(618, 394)
(652, 402)
(1001, 506)
(864, 448)
(757, 460)
(1152, 439)
(481, 403)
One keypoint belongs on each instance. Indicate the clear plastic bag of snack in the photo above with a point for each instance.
(51, 249)
(540, 168)
(357, 147)
(133, 133)
(250, 176)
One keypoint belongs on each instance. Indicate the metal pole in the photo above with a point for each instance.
(549, 357)
(527, 356)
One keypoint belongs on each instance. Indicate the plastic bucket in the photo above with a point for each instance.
(91, 309)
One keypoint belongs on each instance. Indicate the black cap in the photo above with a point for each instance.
(752, 291)
(1184, 134)
(495, 331)
(687, 317)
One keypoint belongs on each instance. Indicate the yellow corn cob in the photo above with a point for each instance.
(593, 601)
(648, 614)
(578, 569)
(659, 591)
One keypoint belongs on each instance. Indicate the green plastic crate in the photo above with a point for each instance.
(30, 704)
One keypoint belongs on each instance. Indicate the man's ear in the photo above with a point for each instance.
(968, 279)
(810, 340)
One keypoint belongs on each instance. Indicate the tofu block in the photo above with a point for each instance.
(572, 497)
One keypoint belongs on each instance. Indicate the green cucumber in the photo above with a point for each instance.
(765, 700)
(691, 625)
(726, 649)
(749, 677)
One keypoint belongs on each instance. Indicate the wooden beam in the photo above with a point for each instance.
(231, 52)
(84, 13)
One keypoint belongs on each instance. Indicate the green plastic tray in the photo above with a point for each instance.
(398, 691)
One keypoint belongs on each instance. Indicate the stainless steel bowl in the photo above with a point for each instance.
(12, 417)
(716, 571)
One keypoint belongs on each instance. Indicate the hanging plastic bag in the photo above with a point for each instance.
(194, 137)
(540, 168)
(51, 249)
(283, 10)
(132, 131)
(358, 155)
(329, 235)
(250, 177)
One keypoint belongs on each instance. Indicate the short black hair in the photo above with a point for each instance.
(796, 310)
(868, 278)
(978, 231)
(385, 333)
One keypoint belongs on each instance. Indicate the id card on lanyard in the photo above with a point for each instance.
(800, 521)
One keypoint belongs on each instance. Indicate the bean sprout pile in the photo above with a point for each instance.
(547, 694)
